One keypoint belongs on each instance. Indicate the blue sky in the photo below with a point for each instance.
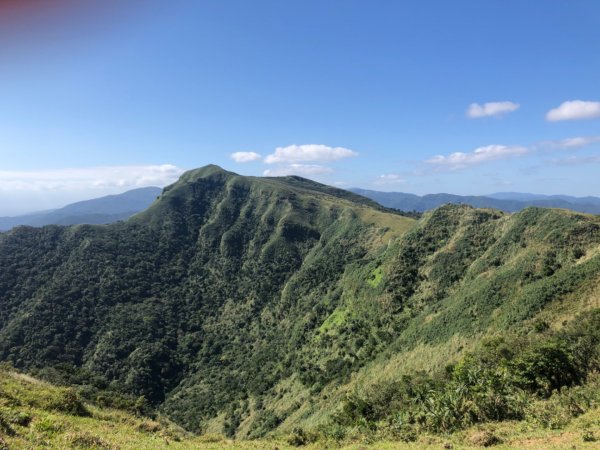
(466, 97)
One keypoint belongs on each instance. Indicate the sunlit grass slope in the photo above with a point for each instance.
(35, 414)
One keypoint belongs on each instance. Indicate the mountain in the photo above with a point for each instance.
(518, 196)
(249, 306)
(507, 201)
(110, 208)
(589, 200)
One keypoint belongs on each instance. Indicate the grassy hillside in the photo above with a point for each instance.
(36, 414)
(250, 307)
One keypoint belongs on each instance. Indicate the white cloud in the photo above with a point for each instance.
(460, 160)
(297, 169)
(574, 110)
(476, 110)
(32, 190)
(308, 152)
(389, 178)
(89, 178)
(244, 157)
(573, 143)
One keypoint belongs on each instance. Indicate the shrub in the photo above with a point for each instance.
(565, 405)
(88, 441)
(47, 425)
(333, 430)
(547, 378)
(546, 366)
(300, 437)
(5, 427)
(588, 436)
(149, 426)
(266, 421)
(484, 439)
(70, 403)
(9, 416)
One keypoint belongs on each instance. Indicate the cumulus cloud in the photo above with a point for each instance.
(389, 178)
(297, 169)
(574, 110)
(244, 157)
(573, 143)
(308, 153)
(476, 110)
(460, 160)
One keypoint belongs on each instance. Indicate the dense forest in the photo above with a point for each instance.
(248, 306)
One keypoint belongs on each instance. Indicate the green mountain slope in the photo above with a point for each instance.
(244, 305)
(207, 292)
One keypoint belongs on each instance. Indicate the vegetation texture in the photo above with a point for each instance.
(249, 307)
(36, 414)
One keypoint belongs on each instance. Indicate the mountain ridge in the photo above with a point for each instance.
(508, 202)
(112, 208)
(589, 199)
(248, 306)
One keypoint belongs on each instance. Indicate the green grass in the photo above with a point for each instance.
(336, 319)
(376, 277)
(29, 418)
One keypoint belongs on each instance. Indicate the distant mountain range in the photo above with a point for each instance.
(110, 208)
(504, 201)
(113, 208)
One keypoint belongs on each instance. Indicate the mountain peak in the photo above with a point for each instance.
(204, 172)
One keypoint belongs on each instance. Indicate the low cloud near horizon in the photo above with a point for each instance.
(387, 179)
(32, 190)
(459, 160)
(297, 169)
